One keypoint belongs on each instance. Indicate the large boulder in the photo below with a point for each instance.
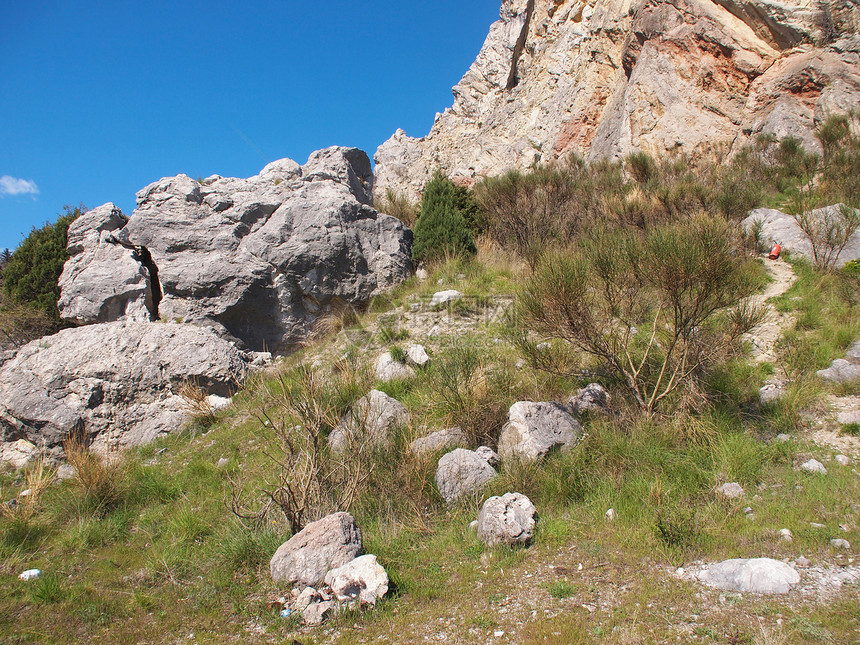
(508, 520)
(372, 419)
(606, 78)
(117, 383)
(321, 546)
(756, 575)
(257, 259)
(462, 472)
(780, 228)
(533, 429)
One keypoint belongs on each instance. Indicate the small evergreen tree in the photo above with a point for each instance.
(441, 228)
(32, 272)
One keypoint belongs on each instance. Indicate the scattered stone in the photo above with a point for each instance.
(361, 579)
(610, 515)
(770, 393)
(786, 535)
(842, 460)
(317, 613)
(372, 418)
(748, 510)
(217, 403)
(592, 398)
(30, 574)
(816, 525)
(473, 525)
(533, 429)
(18, 454)
(839, 543)
(66, 471)
(813, 466)
(802, 562)
(387, 368)
(462, 472)
(223, 462)
(732, 490)
(321, 546)
(417, 355)
(307, 596)
(508, 520)
(757, 575)
(783, 437)
(841, 371)
(490, 455)
(439, 440)
(444, 297)
(421, 274)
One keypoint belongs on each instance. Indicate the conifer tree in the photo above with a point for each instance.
(441, 228)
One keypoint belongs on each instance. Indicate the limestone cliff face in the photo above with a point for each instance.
(604, 78)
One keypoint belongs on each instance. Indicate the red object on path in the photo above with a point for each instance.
(774, 252)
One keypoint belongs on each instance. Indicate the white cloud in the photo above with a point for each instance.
(14, 186)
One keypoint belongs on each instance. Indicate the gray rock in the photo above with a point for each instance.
(786, 535)
(841, 371)
(257, 259)
(386, 368)
(18, 454)
(115, 382)
(610, 515)
(757, 575)
(783, 437)
(323, 545)
(462, 472)
(535, 428)
(439, 440)
(813, 466)
(839, 543)
(417, 355)
(372, 419)
(66, 471)
(508, 520)
(444, 297)
(307, 596)
(591, 398)
(842, 460)
(732, 490)
(770, 393)
(362, 579)
(317, 613)
(485, 452)
(847, 418)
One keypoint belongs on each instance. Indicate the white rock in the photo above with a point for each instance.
(783, 437)
(839, 543)
(219, 402)
(757, 575)
(417, 355)
(317, 613)
(533, 429)
(610, 515)
(30, 574)
(66, 471)
(485, 452)
(439, 440)
(222, 462)
(421, 274)
(786, 535)
(813, 466)
(732, 490)
(305, 598)
(591, 398)
(362, 579)
(444, 297)
(387, 369)
(842, 460)
(508, 519)
(462, 472)
(18, 454)
(372, 419)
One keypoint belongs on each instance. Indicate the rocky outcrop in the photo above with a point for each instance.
(257, 259)
(603, 78)
(115, 383)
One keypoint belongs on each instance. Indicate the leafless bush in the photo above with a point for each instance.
(829, 230)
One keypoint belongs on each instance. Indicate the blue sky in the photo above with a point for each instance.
(101, 99)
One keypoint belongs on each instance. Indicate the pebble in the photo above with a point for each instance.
(786, 535)
(816, 525)
(839, 543)
(223, 462)
(802, 562)
(732, 490)
(813, 466)
(610, 515)
(498, 633)
(842, 460)
(783, 438)
(30, 574)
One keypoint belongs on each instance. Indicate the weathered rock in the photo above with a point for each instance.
(417, 355)
(839, 543)
(757, 575)
(786, 535)
(732, 490)
(439, 440)
(848, 417)
(509, 520)
(323, 545)
(444, 297)
(591, 398)
(307, 596)
(842, 460)
(102, 281)
(462, 472)
(610, 515)
(372, 419)
(535, 428)
(18, 454)
(387, 368)
(488, 454)
(115, 382)
(780, 228)
(841, 371)
(257, 259)
(316, 613)
(770, 393)
(813, 466)
(608, 78)
(66, 471)
(362, 579)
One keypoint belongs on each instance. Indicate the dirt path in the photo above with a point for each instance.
(765, 336)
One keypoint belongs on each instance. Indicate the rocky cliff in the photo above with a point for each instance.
(603, 78)
(257, 259)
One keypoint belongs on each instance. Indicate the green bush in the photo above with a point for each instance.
(441, 229)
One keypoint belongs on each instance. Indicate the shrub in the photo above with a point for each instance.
(441, 229)
(644, 306)
(398, 206)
